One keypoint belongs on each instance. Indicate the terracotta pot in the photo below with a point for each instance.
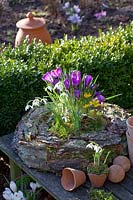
(130, 146)
(123, 161)
(97, 180)
(33, 28)
(116, 173)
(72, 178)
(129, 123)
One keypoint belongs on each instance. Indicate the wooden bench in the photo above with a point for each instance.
(52, 184)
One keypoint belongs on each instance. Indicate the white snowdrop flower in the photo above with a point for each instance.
(91, 146)
(97, 148)
(38, 185)
(44, 101)
(36, 102)
(59, 86)
(27, 107)
(13, 186)
(49, 88)
(33, 186)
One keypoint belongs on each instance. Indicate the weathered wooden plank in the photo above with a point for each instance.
(128, 184)
(119, 191)
(50, 182)
(130, 173)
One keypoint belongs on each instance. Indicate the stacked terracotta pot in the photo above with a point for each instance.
(129, 135)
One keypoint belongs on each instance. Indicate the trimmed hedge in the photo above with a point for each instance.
(110, 56)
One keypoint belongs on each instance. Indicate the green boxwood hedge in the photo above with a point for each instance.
(110, 56)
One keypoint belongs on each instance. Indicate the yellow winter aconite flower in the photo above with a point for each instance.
(87, 95)
(86, 105)
(94, 103)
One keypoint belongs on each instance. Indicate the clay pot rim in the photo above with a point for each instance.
(31, 22)
(128, 122)
(98, 174)
(74, 177)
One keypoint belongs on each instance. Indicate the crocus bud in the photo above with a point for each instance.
(87, 80)
(77, 93)
(67, 84)
(76, 78)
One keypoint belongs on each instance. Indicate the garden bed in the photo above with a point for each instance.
(12, 11)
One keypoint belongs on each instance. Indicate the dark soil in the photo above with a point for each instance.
(4, 172)
(11, 11)
(56, 21)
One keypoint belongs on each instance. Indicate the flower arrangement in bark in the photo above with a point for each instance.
(75, 103)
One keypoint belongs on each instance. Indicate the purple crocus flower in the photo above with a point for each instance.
(47, 77)
(101, 98)
(97, 93)
(87, 80)
(76, 8)
(67, 84)
(100, 14)
(55, 81)
(56, 72)
(66, 6)
(76, 78)
(77, 93)
(75, 19)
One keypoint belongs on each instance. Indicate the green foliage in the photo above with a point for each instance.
(98, 194)
(98, 169)
(110, 56)
(23, 182)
